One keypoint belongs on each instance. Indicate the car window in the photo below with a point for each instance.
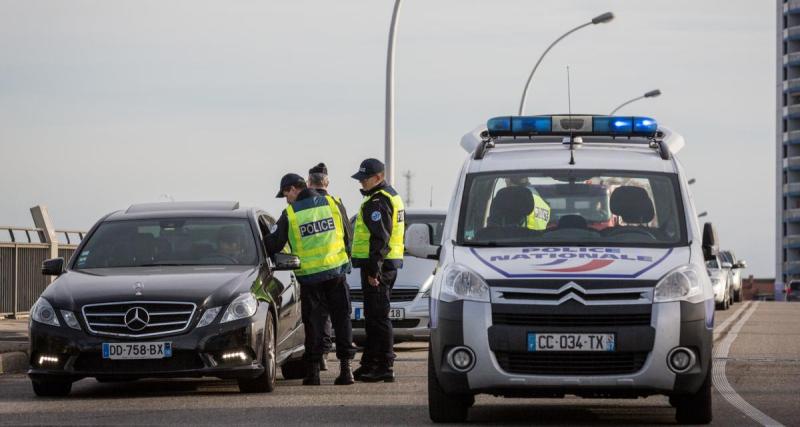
(181, 241)
(712, 263)
(562, 207)
(436, 223)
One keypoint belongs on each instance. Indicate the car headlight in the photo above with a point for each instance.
(425, 289)
(70, 319)
(43, 312)
(244, 305)
(461, 283)
(679, 284)
(209, 317)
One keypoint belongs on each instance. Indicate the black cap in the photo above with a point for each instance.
(320, 168)
(287, 180)
(368, 168)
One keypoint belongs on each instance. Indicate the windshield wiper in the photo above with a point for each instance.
(164, 264)
(490, 243)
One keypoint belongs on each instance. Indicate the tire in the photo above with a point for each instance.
(51, 388)
(443, 407)
(695, 408)
(264, 383)
(726, 302)
(293, 369)
(737, 296)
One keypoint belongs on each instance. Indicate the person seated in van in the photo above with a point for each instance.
(508, 214)
(540, 215)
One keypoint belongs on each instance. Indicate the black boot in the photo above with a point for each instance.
(312, 374)
(345, 376)
(359, 373)
(380, 373)
(323, 363)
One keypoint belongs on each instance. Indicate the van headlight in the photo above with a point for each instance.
(43, 312)
(461, 283)
(244, 305)
(682, 283)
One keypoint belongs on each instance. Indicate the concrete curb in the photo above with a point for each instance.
(13, 362)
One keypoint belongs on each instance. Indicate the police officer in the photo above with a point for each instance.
(313, 225)
(378, 251)
(540, 215)
(318, 181)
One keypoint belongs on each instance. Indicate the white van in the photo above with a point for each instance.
(620, 310)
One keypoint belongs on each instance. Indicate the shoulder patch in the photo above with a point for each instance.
(376, 216)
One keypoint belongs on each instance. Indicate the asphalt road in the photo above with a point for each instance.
(763, 369)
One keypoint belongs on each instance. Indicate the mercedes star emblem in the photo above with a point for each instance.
(137, 288)
(137, 319)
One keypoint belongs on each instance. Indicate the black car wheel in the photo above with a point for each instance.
(444, 407)
(695, 408)
(265, 382)
(737, 295)
(51, 388)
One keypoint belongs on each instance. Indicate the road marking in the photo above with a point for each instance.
(719, 329)
(721, 381)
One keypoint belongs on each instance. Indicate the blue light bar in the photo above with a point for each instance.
(572, 125)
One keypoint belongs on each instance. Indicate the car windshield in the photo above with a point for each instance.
(712, 263)
(182, 241)
(436, 223)
(567, 207)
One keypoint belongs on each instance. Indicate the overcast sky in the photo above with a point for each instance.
(108, 103)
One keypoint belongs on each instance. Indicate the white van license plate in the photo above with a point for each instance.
(571, 342)
(138, 350)
(394, 313)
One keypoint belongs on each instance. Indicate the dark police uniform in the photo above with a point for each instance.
(307, 225)
(378, 251)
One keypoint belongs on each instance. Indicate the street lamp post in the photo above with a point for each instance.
(652, 94)
(600, 19)
(389, 128)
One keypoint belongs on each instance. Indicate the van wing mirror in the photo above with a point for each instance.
(418, 242)
(740, 264)
(53, 267)
(286, 261)
(710, 242)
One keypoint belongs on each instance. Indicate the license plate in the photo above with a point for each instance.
(137, 350)
(571, 342)
(394, 313)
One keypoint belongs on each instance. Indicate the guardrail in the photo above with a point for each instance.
(22, 251)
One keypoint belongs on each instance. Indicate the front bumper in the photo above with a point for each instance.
(719, 294)
(196, 353)
(413, 327)
(675, 324)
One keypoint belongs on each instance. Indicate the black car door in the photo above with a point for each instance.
(286, 293)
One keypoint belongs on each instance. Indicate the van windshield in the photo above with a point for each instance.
(563, 207)
(174, 241)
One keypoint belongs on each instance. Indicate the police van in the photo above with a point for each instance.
(615, 307)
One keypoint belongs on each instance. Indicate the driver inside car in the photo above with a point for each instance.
(229, 243)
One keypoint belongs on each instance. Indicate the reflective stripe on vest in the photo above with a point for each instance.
(540, 216)
(316, 235)
(361, 233)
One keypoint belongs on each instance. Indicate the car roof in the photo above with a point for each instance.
(207, 209)
(538, 155)
(426, 211)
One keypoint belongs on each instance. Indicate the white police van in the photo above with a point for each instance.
(620, 310)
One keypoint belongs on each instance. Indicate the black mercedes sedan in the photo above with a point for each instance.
(179, 289)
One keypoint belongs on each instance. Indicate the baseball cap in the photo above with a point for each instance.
(368, 168)
(287, 180)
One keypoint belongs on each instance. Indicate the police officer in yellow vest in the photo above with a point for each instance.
(540, 215)
(318, 181)
(313, 225)
(378, 251)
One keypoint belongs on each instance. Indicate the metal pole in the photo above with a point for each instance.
(15, 283)
(389, 131)
(530, 78)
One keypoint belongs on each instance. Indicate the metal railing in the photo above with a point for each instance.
(22, 251)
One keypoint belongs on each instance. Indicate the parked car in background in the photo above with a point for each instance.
(411, 292)
(737, 265)
(719, 272)
(793, 291)
(173, 290)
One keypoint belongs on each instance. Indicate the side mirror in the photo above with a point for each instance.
(286, 261)
(740, 264)
(727, 265)
(53, 266)
(710, 242)
(418, 242)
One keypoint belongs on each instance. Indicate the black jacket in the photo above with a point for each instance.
(377, 214)
(276, 241)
